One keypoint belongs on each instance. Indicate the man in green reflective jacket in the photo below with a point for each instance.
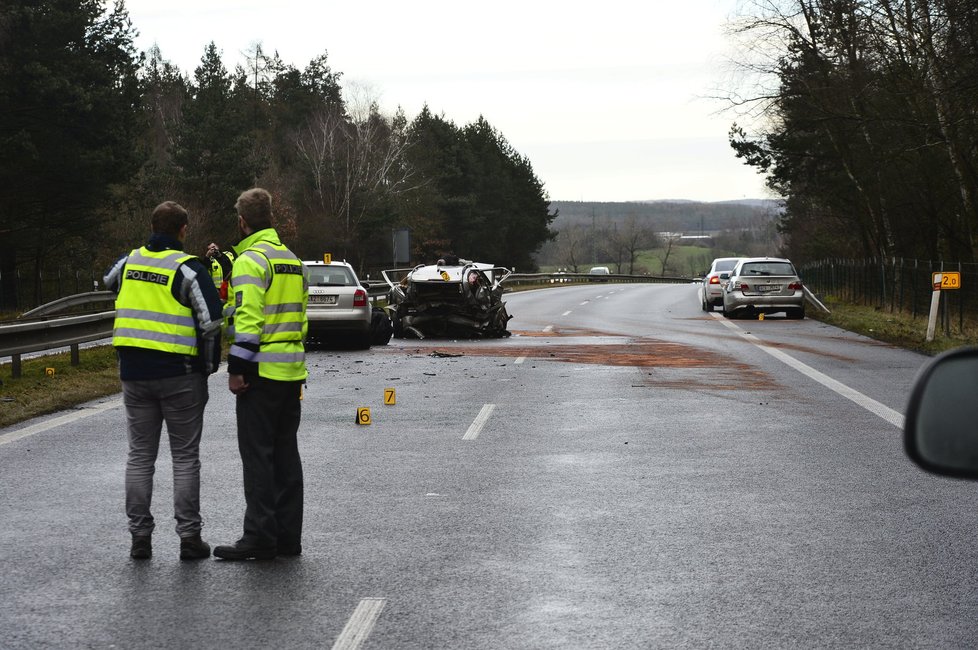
(265, 318)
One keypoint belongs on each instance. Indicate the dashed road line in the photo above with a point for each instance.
(480, 421)
(893, 417)
(361, 624)
(519, 360)
(548, 328)
(566, 313)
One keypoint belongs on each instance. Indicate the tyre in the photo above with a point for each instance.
(381, 328)
(797, 314)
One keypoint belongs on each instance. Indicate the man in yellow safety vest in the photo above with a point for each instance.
(266, 321)
(167, 338)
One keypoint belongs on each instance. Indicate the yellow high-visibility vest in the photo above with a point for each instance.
(147, 315)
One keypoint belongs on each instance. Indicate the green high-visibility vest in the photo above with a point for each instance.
(217, 271)
(146, 313)
(270, 292)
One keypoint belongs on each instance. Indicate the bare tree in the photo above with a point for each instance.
(355, 162)
(573, 245)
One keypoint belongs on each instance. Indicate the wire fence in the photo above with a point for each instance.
(897, 285)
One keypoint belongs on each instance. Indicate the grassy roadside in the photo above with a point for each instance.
(896, 329)
(38, 393)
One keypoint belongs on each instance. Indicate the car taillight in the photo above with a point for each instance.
(714, 279)
(744, 287)
(359, 298)
(795, 286)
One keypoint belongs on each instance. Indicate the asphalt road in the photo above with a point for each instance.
(625, 471)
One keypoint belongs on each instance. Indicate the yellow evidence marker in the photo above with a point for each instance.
(390, 398)
(327, 258)
(363, 415)
(49, 372)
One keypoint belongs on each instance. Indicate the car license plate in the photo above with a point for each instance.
(322, 299)
(768, 288)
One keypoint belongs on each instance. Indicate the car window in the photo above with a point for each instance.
(725, 265)
(767, 268)
(330, 276)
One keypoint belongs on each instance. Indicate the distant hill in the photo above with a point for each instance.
(672, 215)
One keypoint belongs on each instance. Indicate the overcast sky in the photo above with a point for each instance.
(609, 103)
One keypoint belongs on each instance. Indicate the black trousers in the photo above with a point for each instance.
(268, 415)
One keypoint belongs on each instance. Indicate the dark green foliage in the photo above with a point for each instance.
(69, 101)
(482, 200)
(215, 149)
(872, 135)
(94, 139)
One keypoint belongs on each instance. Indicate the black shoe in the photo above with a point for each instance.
(194, 548)
(142, 547)
(288, 550)
(242, 550)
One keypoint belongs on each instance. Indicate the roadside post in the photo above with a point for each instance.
(940, 281)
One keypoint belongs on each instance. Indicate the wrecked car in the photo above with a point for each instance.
(453, 298)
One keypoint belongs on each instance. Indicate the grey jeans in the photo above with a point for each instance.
(178, 401)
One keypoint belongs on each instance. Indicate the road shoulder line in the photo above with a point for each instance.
(893, 417)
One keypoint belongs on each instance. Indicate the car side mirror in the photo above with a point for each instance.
(724, 276)
(365, 284)
(940, 433)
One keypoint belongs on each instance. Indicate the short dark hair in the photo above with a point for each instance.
(169, 217)
(255, 206)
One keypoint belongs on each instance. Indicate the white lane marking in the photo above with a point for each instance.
(479, 422)
(584, 303)
(361, 624)
(566, 313)
(548, 328)
(61, 420)
(893, 417)
(519, 360)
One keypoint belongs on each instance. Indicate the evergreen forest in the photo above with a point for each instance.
(863, 114)
(95, 134)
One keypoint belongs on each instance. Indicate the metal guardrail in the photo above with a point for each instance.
(32, 334)
(35, 331)
(68, 302)
(585, 278)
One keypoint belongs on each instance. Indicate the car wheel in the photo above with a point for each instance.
(705, 304)
(381, 328)
(363, 340)
(797, 314)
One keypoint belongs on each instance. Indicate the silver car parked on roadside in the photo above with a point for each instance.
(339, 308)
(763, 285)
(712, 291)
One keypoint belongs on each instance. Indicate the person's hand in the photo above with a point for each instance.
(237, 384)
(213, 249)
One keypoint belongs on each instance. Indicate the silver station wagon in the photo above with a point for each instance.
(339, 308)
(763, 285)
